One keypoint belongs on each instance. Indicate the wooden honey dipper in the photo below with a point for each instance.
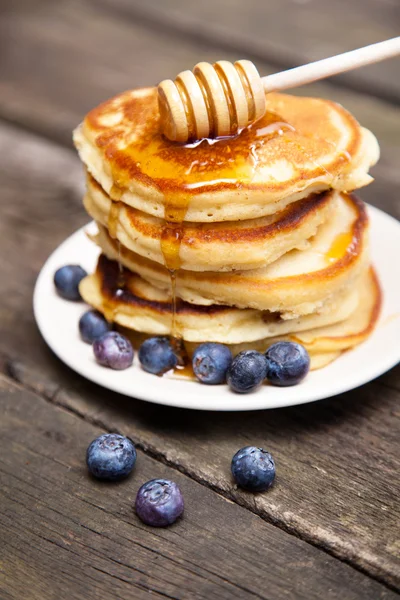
(221, 99)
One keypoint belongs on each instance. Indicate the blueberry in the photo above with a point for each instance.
(113, 350)
(92, 325)
(111, 456)
(253, 469)
(211, 362)
(288, 363)
(247, 371)
(157, 356)
(67, 280)
(159, 502)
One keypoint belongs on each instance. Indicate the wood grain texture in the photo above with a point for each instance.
(65, 535)
(284, 32)
(85, 54)
(338, 460)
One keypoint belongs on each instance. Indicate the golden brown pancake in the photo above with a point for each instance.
(139, 306)
(296, 284)
(342, 335)
(224, 246)
(300, 146)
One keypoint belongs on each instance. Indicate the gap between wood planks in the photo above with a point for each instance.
(151, 20)
(19, 373)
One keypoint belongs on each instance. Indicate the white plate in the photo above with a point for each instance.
(58, 322)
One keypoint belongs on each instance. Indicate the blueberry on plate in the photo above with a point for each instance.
(211, 362)
(247, 371)
(111, 456)
(92, 325)
(113, 350)
(67, 280)
(288, 363)
(157, 356)
(159, 502)
(253, 469)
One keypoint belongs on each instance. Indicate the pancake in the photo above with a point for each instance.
(323, 359)
(296, 284)
(339, 336)
(141, 307)
(300, 146)
(224, 246)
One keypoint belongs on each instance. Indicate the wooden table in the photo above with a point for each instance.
(330, 526)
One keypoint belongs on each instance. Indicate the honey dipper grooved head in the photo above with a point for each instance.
(212, 101)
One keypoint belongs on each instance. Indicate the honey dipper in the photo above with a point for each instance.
(221, 99)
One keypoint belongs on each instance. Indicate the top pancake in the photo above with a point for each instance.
(301, 146)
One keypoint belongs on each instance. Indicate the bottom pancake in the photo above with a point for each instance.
(327, 343)
(339, 336)
(139, 307)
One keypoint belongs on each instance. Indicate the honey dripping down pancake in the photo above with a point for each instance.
(170, 243)
(223, 246)
(175, 207)
(109, 311)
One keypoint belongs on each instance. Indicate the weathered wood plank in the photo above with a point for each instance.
(84, 55)
(64, 535)
(284, 32)
(338, 460)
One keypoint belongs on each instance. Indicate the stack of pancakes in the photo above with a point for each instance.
(244, 240)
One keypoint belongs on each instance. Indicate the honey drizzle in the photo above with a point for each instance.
(110, 306)
(339, 246)
(113, 219)
(185, 372)
(174, 326)
(175, 209)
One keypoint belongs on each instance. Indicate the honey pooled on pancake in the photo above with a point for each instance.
(296, 149)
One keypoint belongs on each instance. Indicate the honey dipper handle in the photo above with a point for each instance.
(332, 66)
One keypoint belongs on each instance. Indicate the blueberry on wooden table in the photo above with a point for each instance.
(111, 456)
(159, 503)
(93, 325)
(288, 363)
(67, 280)
(253, 469)
(113, 350)
(157, 356)
(211, 362)
(247, 371)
